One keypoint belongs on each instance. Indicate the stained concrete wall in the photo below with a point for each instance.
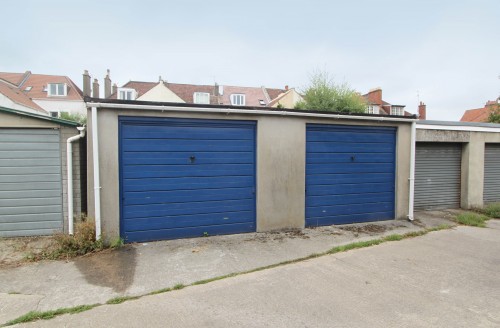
(281, 144)
(473, 144)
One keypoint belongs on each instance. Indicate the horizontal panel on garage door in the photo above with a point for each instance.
(186, 178)
(437, 175)
(350, 174)
(30, 182)
(491, 173)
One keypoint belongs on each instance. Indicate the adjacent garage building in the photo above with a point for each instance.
(176, 170)
(457, 165)
(33, 175)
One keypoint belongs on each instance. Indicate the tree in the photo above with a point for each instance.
(75, 117)
(326, 95)
(494, 116)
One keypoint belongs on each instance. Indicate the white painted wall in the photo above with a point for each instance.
(59, 105)
(6, 102)
(161, 93)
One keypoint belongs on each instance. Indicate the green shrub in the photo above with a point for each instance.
(472, 219)
(492, 210)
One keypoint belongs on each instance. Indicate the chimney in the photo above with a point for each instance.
(86, 84)
(95, 89)
(375, 96)
(107, 85)
(115, 88)
(286, 87)
(216, 90)
(422, 111)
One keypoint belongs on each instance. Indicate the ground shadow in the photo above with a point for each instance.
(114, 269)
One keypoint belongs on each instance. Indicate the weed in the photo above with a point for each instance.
(178, 286)
(359, 244)
(394, 237)
(205, 234)
(492, 210)
(116, 243)
(121, 299)
(472, 219)
(160, 291)
(36, 315)
(67, 246)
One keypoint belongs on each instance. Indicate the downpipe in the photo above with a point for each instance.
(69, 164)
(411, 193)
(97, 183)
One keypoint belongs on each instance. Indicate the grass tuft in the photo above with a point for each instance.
(472, 219)
(394, 237)
(36, 315)
(121, 299)
(160, 291)
(492, 210)
(178, 286)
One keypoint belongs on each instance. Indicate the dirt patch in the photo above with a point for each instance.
(15, 251)
(366, 228)
(279, 236)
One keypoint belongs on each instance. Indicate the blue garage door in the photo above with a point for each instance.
(349, 174)
(186, 178)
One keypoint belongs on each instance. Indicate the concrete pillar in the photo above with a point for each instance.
(472, 172)
(281, 165)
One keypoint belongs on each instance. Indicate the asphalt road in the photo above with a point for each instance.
(448, 278)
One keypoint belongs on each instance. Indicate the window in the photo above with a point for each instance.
(397, 110)
(262, 102)
(373, 109)
(57, 89)
(126, 94)
(54, 114)
(201, 98)
(238, 99)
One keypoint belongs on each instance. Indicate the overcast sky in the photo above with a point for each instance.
(447, 53)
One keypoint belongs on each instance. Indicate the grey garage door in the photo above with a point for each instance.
(491, 173)
(30, 182)
(437, 175)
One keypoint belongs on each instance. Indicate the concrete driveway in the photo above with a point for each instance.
(448, 278)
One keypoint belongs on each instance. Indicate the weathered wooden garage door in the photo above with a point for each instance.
(186, 178)
(30, 182)
(350, 174)
(437, 175)
(491, 173)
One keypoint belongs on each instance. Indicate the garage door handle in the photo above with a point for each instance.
(353, 158)
(192, 158)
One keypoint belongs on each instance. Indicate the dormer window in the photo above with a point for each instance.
(237, 99)
(201, 98)
(373, 109)
(57, 89)
(397, 110)
(126, 94)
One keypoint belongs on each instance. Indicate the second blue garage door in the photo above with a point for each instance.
(186, 178)
(350, 174)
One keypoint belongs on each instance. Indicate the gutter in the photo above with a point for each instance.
(228, 111)
(69, 164)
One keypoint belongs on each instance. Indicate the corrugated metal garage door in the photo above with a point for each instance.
(30, 182)
(491, 173)
(186, 178)
(437, 175)
(350, 174)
